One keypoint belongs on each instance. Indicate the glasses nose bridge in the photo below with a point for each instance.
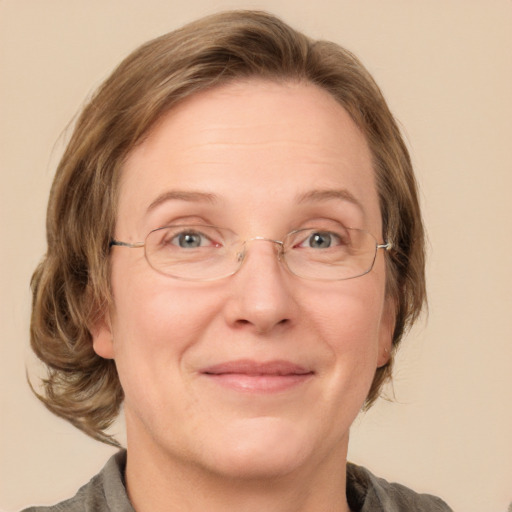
(241, 255)
(279, 243)
(265, 239)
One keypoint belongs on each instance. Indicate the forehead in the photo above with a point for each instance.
(250, 143)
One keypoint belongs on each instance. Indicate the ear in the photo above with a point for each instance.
(102, 339)
(387, 327)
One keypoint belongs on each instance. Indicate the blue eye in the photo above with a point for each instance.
(190, 240)
(321, 240)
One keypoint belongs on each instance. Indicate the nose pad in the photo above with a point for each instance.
(280, 251)
(278, 244)
(260, 296)
(240, 256)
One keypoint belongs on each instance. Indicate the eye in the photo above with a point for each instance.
(175, 238)
(188, 240)
(191, 239)
(321, 240)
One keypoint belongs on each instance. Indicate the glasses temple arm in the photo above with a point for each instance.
(125, 244)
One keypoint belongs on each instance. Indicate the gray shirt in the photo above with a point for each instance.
(106, 492)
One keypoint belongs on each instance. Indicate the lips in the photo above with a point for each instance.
(263, 377)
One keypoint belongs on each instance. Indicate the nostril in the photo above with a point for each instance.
(260, 329)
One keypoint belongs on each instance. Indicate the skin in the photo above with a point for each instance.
(257, 148)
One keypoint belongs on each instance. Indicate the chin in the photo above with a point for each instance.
(260, 448)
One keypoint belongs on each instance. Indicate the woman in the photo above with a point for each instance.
(235, 250)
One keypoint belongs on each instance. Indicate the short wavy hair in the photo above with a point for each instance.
(71, 288)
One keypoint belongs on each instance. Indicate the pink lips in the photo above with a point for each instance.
(251, 376)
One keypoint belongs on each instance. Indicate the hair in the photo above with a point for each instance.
(71, 287)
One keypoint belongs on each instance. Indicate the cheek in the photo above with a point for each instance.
(348, 320)
(152, 337)
(154, 323)
(351, 314)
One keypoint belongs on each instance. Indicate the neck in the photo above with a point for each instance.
(157, 482)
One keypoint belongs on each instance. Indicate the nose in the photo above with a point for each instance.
(261, 298)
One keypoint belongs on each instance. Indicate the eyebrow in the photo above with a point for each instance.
(182, 195)
(328, 194)
(316, 195)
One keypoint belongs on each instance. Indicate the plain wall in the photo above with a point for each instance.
(446, 69)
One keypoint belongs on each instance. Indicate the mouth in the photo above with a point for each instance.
(258, 377)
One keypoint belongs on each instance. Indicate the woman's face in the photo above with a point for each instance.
(202, 363)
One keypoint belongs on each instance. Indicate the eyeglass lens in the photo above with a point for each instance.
(202, 252)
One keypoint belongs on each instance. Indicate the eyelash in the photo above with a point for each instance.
(305, 240)
(185, 233)
(319, 223)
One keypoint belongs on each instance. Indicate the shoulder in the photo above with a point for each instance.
(89, 497)
(367, 493)
(105, 492)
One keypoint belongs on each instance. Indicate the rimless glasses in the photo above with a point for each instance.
(206, 253)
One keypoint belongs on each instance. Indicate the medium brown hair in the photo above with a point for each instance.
(71, 285)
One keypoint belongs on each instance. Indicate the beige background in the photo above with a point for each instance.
(446, 69)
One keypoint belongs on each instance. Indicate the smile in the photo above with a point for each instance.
(255, 377)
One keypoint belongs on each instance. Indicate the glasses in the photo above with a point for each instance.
(206, 253)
